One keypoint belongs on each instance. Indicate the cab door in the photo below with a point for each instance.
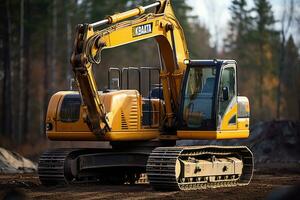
(198, 97)
(227, 98)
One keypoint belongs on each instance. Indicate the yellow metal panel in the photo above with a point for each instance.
(232, 134)
(167, 96)
(243, 123)
(125, 101)
(53, 107)
(225, 125)
(141, 135)
(208, 135)
(211, 135)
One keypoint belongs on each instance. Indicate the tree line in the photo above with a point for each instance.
(268, 57)
(36, 38)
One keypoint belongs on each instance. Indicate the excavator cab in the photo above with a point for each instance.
(210, 103)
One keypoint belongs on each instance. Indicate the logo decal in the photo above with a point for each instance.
(142, 29)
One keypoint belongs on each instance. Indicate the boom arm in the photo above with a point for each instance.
(161, 25)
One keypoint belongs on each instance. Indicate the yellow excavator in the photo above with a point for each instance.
(194, 100)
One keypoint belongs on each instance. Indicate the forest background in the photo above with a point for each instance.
(36, 38)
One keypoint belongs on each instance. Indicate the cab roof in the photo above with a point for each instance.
(210, 62)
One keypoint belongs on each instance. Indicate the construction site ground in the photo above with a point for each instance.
(275, 146)
(264, 182)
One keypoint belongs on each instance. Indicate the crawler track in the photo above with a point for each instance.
(64, 166)
(52, 167)
(161, 167)
(108, 166)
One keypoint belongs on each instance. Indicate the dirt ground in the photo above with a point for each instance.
(263, 183)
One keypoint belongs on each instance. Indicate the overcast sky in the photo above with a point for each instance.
(216, 12)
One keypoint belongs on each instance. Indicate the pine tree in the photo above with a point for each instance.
(7, 92)
(287, 16)
(188, 22)
(291, 73)
(238, 45)
(239, 28)
(198, 42)
(263, 37)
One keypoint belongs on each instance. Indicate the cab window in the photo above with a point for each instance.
(199, 98)
(227, 89)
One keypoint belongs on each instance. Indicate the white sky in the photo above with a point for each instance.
(215, 15)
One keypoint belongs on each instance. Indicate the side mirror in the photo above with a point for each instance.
(225, 93)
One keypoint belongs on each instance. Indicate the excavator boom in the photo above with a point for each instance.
(162, 25)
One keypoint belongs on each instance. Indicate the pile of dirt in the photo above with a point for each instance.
(11, 162)
(276, 141)
(270, 142)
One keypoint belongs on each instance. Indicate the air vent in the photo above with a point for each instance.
(130, 121)
(70, 108)
(133, 116)
(123, 121)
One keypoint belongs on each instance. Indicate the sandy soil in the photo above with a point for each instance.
(261, 186)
